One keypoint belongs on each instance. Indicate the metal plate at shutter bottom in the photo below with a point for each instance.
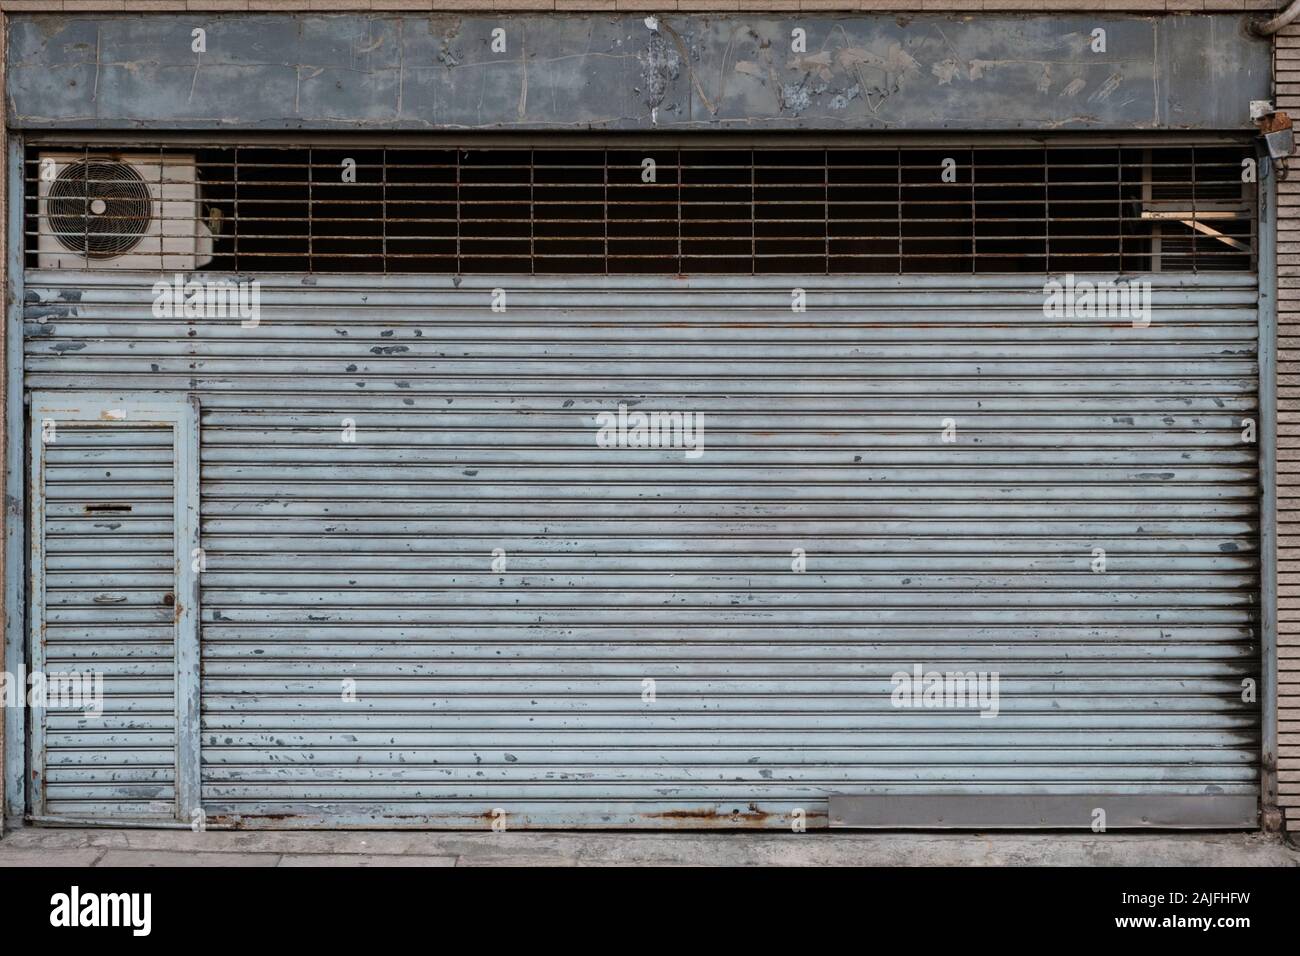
(374, 445)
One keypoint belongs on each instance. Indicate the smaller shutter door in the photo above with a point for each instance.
(114, 495)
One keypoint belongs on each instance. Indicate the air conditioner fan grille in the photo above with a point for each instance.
(99, 209)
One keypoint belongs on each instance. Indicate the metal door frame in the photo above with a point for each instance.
(15, 491)
(15, 502)
(1266, 224)
(181, 417)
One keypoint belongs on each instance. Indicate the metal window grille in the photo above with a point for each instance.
(741, 210)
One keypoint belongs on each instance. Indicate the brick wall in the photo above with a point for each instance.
(1287, 78)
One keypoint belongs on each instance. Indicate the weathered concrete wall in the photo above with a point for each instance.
(636, 72)
(656, 6)
(650, 5)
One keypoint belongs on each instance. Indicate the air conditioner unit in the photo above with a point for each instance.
(121, 211)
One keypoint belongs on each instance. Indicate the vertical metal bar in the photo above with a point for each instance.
(383, 201)
(1119, 204)
(604, 206)
(87, 186)
(459, 266)
(826, 206)
(1267, 434)
(235, 226)
(974, 234)
(1253, 203)
(898, 205)
(532, 212)
(1047, 215)
(681, 266)
(1196, 260)
(753, 213)
(311, 212)
(186, 496)
(163, 223)
(36, 776)
(15, 517)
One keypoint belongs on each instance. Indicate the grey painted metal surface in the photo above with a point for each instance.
(521, 688)
(15, 520)
(635, 72)
(120, 472)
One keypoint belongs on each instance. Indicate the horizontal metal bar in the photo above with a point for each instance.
(683, 291)
(469, 139)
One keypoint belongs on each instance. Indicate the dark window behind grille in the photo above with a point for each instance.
(810, 211)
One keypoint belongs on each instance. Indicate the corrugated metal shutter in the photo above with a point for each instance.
(372, 560)
(114, 599)
(107, 604)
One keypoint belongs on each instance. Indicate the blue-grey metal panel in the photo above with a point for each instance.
(15, 787)
(520, 689)
(115, 475)
(1013, 71)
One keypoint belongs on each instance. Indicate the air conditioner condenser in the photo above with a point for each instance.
(121, 211)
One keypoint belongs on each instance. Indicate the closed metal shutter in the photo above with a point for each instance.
(114, 494)
(108, 544)
(522, 689)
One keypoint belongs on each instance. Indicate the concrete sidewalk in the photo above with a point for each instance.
(37, 846)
